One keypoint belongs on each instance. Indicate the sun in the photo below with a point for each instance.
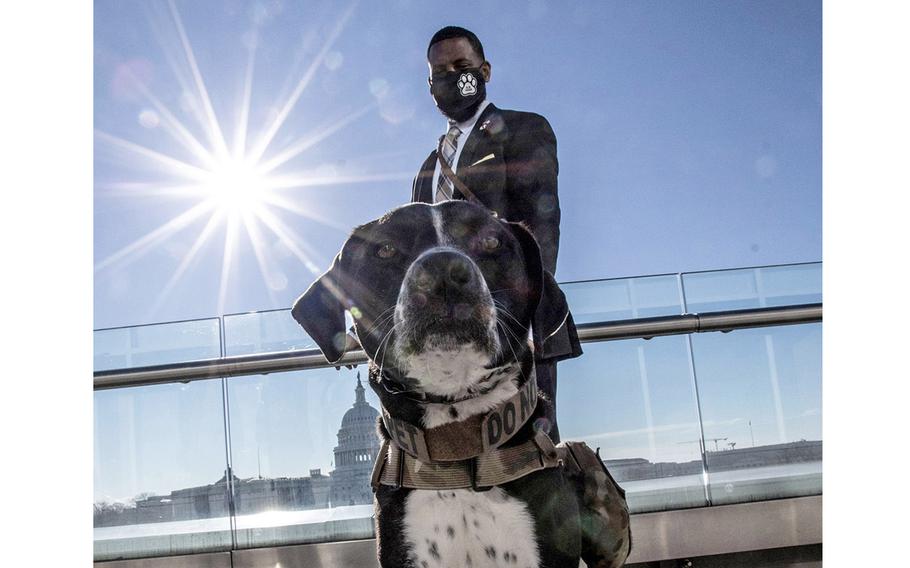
(239, 183)
(236, 186)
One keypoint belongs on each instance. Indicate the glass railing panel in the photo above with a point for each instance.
(159, 462)
(157, 344)
(599, 300)
(263, 332)
(790, 285)
(303, 445)
(635, 400)
(760, 393)
(761, 287)
(623, 298)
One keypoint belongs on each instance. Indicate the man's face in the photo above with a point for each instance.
(455, 54)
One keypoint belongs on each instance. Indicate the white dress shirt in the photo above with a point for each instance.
(466, 127)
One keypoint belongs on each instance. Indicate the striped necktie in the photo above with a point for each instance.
(445, 187)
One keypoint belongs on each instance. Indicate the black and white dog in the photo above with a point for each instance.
(443, 299)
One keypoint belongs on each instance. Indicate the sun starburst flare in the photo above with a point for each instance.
(231, 185)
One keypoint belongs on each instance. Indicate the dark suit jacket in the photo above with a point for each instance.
(509, 162)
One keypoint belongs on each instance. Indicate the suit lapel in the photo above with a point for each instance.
(477, 141)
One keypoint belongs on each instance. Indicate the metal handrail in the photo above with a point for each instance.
(643, 328)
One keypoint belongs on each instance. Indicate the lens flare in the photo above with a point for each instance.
(234, 185)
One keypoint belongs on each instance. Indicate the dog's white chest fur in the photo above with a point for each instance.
(449, 372)
(504, 380)
(460, 527)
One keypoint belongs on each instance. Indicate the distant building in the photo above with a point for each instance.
(357, 447)
(637, 469)
(348, 484)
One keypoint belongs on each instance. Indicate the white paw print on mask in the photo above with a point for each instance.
(467, 84)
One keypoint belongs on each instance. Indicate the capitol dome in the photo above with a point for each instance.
(360, 414)
(358, 441)
(358, 445)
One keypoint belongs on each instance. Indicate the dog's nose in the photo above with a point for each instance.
(442, 272)
(459, 272)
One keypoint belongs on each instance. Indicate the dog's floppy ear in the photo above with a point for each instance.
(320, 310)
(546, 299)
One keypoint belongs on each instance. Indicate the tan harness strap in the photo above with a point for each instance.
(467, 438)
(496, 467)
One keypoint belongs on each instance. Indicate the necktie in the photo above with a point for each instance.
(445, 187)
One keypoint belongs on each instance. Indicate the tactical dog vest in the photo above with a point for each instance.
(468, 438)
(498, 466)
(468, 453)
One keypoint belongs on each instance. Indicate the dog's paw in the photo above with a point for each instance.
(467, 84)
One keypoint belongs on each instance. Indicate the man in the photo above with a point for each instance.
(505, 159)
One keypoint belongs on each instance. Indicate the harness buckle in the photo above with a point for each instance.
(548, 455)
(379, 465)
(399, 479)
(473, 472)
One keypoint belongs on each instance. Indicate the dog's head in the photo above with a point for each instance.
(433, 291)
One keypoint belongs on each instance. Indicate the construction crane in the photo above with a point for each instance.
(699, 441)
(715, 440)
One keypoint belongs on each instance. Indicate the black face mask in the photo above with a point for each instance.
(458, 93)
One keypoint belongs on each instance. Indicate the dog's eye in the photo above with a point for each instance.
(489, 243)
(386, 251)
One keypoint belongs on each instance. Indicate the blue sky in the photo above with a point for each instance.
(689, 138)
(689, 135)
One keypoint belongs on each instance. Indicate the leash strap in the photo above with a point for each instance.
(468, 438)
(456, 181)
(496, 467)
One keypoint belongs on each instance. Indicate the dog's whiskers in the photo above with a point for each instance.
(383, 346)
(381, 319)
(508, 332)
(500, 309)
(502, 290)
(505, 311)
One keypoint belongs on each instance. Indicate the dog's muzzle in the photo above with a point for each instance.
(441, 281)
(444, 294)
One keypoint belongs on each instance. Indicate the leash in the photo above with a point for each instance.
(456, 181)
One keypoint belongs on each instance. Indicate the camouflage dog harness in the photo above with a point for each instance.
(602, 504)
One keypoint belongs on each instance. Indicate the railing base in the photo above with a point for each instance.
(771, 530)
